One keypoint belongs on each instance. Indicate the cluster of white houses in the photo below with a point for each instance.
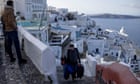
(36, 9)
(29, 9)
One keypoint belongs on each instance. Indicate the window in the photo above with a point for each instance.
(117, 54)
(111, 53)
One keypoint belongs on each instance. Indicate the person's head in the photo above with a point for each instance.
(9, 3)
(71, 46)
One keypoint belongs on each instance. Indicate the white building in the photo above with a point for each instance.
(29, 9)
(51, 8)
(95, 46)
(62, 11)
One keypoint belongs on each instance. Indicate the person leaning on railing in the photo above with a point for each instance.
(10, 32)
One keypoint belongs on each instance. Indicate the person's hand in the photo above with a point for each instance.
(79, 64)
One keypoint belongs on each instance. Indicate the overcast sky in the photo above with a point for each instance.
(129, 7)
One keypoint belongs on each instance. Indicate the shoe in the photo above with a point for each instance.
(74, 77)
(12, 59)
(22, 61)
(50, 79)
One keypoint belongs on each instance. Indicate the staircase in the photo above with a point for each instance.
(134, 65)
(56, 39)
(59, 40)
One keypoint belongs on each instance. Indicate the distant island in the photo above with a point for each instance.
(114, 16)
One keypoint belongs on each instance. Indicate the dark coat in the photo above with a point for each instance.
(73, 56)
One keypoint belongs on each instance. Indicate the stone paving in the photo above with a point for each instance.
(12, 73)
(84, 80)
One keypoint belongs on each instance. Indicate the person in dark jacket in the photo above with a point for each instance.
(73, 59)
(10, 31)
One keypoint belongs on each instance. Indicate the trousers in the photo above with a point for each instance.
(12, 38)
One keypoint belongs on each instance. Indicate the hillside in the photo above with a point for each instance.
(114, 16)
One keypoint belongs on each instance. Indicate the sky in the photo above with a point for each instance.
(129, 7)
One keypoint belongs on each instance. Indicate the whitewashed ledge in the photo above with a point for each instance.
(40, 54)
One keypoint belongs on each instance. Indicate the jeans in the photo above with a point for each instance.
(12, 37)
(69, 69)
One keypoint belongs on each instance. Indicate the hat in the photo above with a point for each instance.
(71, 45)
(9, 3)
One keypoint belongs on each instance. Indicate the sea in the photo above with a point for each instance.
(131, 27)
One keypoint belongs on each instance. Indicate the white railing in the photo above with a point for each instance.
(60, 38)
(40, 54)
(64, 38)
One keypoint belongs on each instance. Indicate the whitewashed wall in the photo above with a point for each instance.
(93, 44)
(79, 44)
(58, 54)
(89, 66)
(40, 54)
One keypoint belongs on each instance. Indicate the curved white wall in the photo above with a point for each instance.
(40, 54)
